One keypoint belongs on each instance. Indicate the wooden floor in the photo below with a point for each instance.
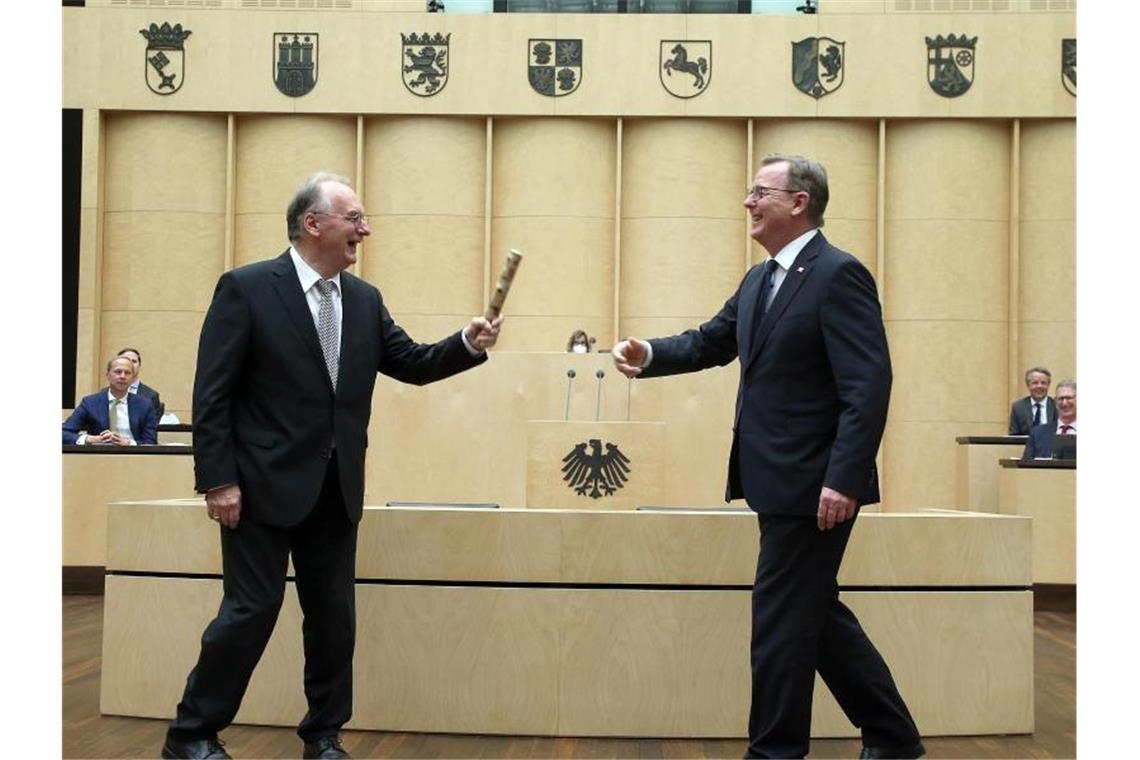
(86, 733)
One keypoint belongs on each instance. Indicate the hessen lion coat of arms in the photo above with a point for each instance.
(817, 65)
(950, 64)
(295, 63)
(424, 63)
(593, 473)
(554, 67)
(685, 67)
(165, 58)
(1069, 65)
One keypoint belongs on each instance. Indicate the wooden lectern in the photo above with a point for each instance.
(594, 465)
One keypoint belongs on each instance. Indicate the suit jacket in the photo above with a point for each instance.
(265, 415)
(1039, 445)
(93, 416)
(815, 381)
(1021, 415)
(151, 395)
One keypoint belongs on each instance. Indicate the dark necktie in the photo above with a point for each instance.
(765, 288)
(1037, 413)
(1065, 429)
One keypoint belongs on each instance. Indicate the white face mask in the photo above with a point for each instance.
(578, 348)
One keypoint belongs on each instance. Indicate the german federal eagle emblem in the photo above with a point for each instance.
(295, 62)
(686, 67)
(554, 66)
(424, 62)
(950, 64)
(165, 58)
(592, 473)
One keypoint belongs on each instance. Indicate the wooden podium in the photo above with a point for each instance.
(594, 465)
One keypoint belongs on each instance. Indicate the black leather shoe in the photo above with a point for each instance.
(197, 749)
(891, 753)
(326, 747)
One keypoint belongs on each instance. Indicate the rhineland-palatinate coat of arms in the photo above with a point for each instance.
(685, 67)
(817, 65)
(592, 473)
(554, 67)
(950, 64)
(295, 62)
(1069, 65)
(165, 58)
(424, 62)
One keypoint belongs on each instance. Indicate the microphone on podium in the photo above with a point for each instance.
(570, 375)
(598, 412)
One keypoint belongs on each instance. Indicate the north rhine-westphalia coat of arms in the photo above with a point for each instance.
(295, 62)
(817, 65)
(950, 64)
(685, 67)
(554, 67)
(592, 473)
(165, 58)
(424, 62)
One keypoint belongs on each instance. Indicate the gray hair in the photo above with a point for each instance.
(310, 196)
(1042, 370)
(807, 176)
(1066, 384)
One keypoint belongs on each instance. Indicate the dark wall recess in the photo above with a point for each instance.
(70, 204)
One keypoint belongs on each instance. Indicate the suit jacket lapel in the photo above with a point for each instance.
(289, 290)
(791, 285)
(353, 319)
(749, 296)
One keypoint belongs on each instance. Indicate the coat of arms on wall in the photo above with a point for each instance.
(295, 62)
(554, 67)
(1069, 65)
(592, 473)
(424, 62)
(950, 64)
(165, 58)
(685, 67)
(817, 65)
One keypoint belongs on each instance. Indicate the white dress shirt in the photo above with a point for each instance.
(124, 426)
(1071, 425)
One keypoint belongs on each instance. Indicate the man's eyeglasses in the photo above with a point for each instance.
(354, 219)
(1064, 399)
(757, 192)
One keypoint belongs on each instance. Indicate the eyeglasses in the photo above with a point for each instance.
(354, 219)
(1063, 399)
(757, 192)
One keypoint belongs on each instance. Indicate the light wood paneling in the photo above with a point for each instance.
(91, 481)
(926, 447)
(976, 474)
(575, 661)
(1050, 498)
(168, 341)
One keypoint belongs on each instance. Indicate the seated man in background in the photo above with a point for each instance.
(1040, 443)
(1036, 408)
(121, 418)
(138, 386)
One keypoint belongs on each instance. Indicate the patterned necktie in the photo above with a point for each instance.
(1037, 413)
(327, 330)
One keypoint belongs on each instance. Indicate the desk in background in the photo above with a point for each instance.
(1045, 490)
(976, 478)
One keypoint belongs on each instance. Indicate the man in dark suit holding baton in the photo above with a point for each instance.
(815, 381)
(287, 361)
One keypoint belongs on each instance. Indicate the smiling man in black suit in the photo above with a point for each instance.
(815, 380)
(287, 361)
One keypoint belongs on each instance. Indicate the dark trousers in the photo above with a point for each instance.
(799, 626)
(254, 562)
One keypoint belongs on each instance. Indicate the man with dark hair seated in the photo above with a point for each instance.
(138, 386)
(113, 415)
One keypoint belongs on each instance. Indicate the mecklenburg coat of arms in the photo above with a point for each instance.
(165, 58)
(950, 64)
(817, 65)
(423, 59)
(554, 66)
(295, 63)
(685, 67)
(1069, 65)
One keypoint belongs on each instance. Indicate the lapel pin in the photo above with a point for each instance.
(800, 269)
